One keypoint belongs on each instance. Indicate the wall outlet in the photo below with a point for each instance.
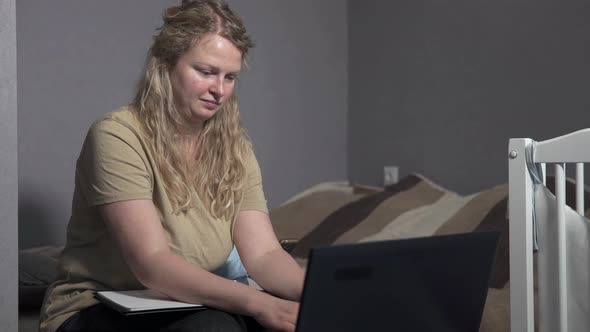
(390, 175)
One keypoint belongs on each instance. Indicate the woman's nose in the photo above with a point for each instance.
(216, 88)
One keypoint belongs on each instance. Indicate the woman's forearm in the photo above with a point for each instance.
(278, 273)
(172, 275)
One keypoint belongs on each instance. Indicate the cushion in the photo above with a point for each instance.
(233, 267)
(413, 207)
(36, 270)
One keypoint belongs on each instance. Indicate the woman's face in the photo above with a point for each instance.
(204, 78)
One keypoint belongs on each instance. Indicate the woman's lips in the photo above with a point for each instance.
(210, 104)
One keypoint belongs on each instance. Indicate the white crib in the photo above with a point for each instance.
(572, 148)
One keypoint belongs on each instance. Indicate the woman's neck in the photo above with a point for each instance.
(188, 144)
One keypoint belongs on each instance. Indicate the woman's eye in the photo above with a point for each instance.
(205, 72)
(231, 78)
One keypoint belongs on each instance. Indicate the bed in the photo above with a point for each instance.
(343, 212)
(549, 234)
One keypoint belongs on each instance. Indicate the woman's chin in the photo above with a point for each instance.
(202, 115)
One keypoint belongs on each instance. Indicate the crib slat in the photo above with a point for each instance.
(580, 188)
(561, 241)
(544, 168)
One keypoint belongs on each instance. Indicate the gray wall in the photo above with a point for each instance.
(294, 97)
(80, 59)
(8, 168)
(438, 87)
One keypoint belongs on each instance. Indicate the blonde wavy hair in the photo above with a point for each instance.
(217, 172)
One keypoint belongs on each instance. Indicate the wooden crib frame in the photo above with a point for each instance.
(571, 148)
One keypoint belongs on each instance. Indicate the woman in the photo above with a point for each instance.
(164, 189)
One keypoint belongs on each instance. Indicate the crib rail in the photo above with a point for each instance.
(571, 148)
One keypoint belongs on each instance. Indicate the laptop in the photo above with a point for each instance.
(436, 283)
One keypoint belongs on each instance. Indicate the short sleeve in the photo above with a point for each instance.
(113, 165)
(253, 194)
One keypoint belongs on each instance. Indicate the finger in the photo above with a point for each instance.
(290, 327)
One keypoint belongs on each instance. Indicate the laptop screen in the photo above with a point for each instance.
(436, 283)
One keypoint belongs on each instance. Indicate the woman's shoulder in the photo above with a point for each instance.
(116, 133)
(124, 115)
(122, 121)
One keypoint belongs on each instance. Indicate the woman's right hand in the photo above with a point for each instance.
(277, 314)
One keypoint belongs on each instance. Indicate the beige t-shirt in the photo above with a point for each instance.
(115, 164)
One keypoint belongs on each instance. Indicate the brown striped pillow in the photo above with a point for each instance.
(412, 207)
(299, 216)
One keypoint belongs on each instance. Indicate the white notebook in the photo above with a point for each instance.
(143, 301)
